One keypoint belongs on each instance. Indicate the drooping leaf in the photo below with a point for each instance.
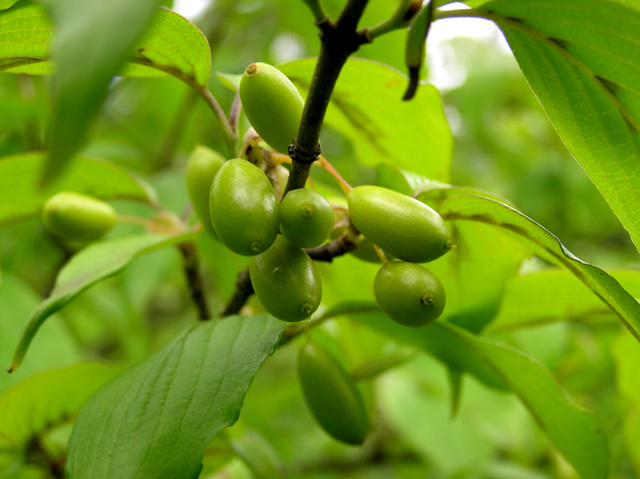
(47, 399)
(88, 53)
(379, 128)
(583, 63)
(4, 4)
(156, 419)
(91, 265)
(545, 244)
(554, 294)
(20, 196)
(573, 431)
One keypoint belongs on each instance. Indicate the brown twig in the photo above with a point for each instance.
(194, 279)
(242, 290)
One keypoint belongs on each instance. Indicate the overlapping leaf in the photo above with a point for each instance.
(88, 267)
(85, 37)
(476, 208)
(574, 432)
(372, 116)
(157, 419)
(46, 399)
(20, 196)
(582, 59)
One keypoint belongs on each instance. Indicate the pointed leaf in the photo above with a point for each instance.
(20, 196)
(91, 265)
(156, 419)
(46, 399)
(574, 432)
(583, 62)
(92, 39)
(379, 128)
(545, 244)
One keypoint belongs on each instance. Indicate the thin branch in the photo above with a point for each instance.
(242, 290)
(401, 18)
(316, 8)
(337, 247)
(194, 279)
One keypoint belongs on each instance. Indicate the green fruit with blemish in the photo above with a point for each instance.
(331, 395)
(407, 228)
(272, 104)
(77, 217)
(202, 166)
(244, 208)
(409, 294)
(306, 218)
(286, 281)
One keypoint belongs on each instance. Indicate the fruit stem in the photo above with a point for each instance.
(339, 41)
(149, 224)
(381, 255)
(324, 163)
(316, 8)
(401, 18)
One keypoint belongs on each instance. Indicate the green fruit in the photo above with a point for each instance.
(306, 218)
(286, 281)
(409, 293)
(77, 217)
(272, 104)
(331, 395)
(405, 227)
(202, 167)
(243, 207)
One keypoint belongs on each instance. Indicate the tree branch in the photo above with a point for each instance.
(339, 41)
(242, 290)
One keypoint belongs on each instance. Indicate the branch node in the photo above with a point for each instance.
(299, 156)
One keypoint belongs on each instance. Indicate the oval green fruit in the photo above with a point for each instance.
(306, 218)
(407, 228)
(202, 166)
(77, 217)
(244, 208)
(272, 104)
(331, 395)
(286, 281)
(410, 294)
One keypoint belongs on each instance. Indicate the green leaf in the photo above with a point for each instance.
(626, 356)
(574, 432)
(91, 265)
(551, 295)
(20, 196)
(156, 419)
(372, 115)
(91, 42)
(4, 4)
(44, 400)
(171, 46)
(546, 245)
(583, 62)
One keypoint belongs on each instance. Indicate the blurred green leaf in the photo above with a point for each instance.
(379, 128)
(627, 357)
(92, 264)
(4, 4)
(87, 55)
(551, 295)
(546, 245)
(47, 399)
(258, 454)
(570, 54)
(156, 419)
(574, 432)
(20, 196)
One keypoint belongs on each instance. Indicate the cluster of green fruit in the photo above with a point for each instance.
(237, 202)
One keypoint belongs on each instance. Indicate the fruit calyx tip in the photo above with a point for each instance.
(251, 69)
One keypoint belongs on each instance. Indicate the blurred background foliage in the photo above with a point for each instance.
(504, 144)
